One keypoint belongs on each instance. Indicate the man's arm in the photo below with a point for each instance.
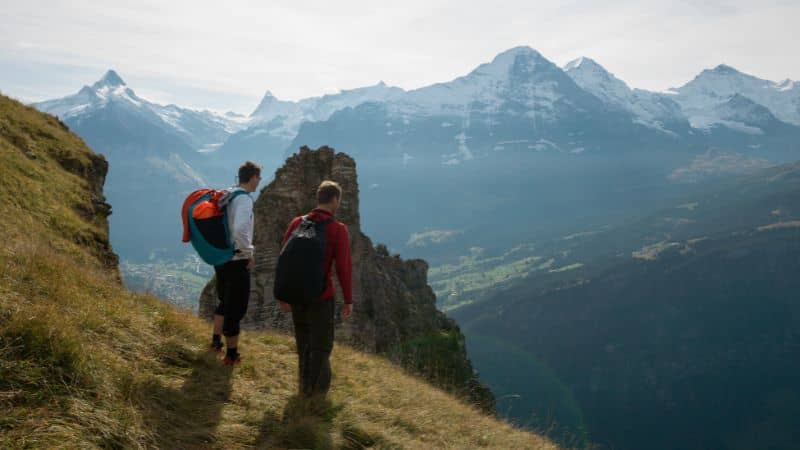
(344, 264)
(243, 225)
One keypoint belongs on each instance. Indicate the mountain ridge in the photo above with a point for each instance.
(321, 107)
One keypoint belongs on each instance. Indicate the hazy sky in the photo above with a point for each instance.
(225, 54)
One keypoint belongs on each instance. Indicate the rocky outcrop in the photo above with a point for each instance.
(394, 308)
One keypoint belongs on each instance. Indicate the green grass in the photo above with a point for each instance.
(468, 281)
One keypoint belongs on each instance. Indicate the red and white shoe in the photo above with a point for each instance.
(228, 361)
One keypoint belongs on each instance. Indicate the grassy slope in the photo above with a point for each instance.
(85, 363)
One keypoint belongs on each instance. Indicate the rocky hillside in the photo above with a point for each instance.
(395, 309)
(86, 364)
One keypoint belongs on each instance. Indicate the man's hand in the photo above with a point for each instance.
(285, 307)
(251, 264)
(347, 309)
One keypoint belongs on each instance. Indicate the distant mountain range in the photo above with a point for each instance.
(516, 128)
(519, 78)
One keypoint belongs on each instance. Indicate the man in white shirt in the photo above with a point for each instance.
(233, 277)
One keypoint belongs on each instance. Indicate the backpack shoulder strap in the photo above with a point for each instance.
(226, 199)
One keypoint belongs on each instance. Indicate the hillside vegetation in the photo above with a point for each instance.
(677, 330)
(85, 363)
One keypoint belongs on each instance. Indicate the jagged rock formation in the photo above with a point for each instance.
(394, 306)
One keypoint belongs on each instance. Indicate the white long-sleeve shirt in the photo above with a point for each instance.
(240, 225)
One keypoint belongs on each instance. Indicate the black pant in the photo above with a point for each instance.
(313, 333)
(233, 291)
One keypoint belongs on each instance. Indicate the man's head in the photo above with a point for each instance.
(329, 195)
(249, 176)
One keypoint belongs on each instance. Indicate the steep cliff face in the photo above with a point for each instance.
(395, 309)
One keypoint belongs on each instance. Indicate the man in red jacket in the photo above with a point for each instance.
(313, 322)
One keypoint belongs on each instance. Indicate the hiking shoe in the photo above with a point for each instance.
(228, 361)
(216, 348)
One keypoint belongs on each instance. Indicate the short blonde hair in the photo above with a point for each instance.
(327, 191)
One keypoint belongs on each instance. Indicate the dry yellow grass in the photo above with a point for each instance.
(85, 363)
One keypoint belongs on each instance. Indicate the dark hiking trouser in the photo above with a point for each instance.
(233, 291)
(313, 333)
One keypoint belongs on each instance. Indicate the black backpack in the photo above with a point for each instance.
(300, 272)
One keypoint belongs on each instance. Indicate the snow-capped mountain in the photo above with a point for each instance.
(200, 129)
(739, 113)
(652, 109)
(283, 118)
(712, 87)
(519, 101)
(109, 88)
(274, 122)
(520, 75)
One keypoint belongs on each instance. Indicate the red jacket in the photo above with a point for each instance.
(337, 248)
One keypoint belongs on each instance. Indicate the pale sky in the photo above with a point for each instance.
(224, 55)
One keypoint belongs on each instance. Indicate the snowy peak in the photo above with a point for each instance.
(267, 102)
(522, 52)
(520, 76)
(110, 79)
(724, 69)
(197, 128)
(590, 75)
(713, 87)
(649, 109)
(574, 64)
(586, 64)
(108, 89)
(518, 59)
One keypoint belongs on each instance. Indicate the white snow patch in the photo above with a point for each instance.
(744, 128)
(466, 154)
